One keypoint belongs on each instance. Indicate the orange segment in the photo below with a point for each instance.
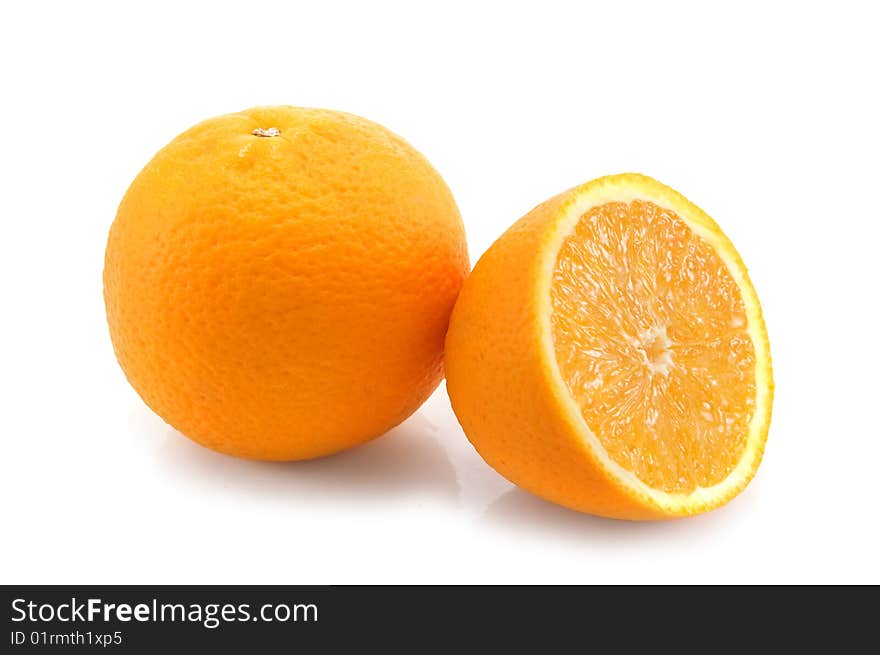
(608, 353)
(650, 335)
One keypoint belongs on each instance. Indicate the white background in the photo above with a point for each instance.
(766, 115)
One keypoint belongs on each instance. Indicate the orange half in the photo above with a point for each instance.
(608, 353)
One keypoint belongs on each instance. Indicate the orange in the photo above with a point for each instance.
(608, 353)
(278, 281)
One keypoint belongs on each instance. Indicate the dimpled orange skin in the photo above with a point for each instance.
(284, 297)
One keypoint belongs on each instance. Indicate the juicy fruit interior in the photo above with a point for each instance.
(650, 333)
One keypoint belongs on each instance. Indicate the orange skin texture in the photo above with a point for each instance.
(284, 297)
(496, 379)
(499, 380)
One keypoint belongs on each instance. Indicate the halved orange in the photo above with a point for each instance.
(608, 353)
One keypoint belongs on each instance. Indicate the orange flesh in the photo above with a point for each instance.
(650, 333)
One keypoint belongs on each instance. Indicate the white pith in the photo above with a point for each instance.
(661, 364)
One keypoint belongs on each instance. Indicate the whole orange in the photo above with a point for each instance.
(278, 281)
